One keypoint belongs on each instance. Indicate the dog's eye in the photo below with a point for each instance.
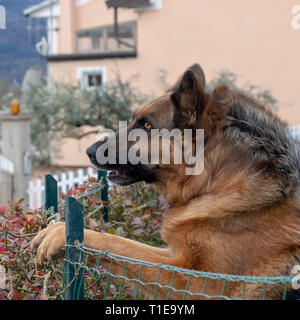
(147, 126)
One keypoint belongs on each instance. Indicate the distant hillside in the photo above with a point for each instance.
(17, 44)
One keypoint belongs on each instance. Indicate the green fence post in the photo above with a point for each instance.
(74, 235)
(51, 194)
(104, 192)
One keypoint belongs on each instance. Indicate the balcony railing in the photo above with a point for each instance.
(104, 39)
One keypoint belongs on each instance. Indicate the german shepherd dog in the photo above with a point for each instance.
(240, 216)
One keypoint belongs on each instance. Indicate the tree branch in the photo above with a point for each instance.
(80, 136)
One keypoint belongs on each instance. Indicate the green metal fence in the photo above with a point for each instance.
(88, 273)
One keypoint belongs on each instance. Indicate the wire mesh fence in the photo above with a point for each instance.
(92, 274)
(104, 275)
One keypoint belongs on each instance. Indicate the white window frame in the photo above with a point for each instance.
(83, 72)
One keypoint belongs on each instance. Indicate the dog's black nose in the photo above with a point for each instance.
(91, 152)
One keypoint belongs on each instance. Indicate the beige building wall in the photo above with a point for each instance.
(252, 38)
(67, 25)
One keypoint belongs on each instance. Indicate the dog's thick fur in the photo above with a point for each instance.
(240, 216)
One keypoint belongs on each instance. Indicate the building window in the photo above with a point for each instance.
(104, 40)
(94, 80)
(91, 77)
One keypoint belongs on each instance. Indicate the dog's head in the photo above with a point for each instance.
(182, 107)
(238, 133)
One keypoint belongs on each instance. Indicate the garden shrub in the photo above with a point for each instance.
(134, 212)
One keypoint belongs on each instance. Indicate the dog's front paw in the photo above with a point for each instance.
(50, 242)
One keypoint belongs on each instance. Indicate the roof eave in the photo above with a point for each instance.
(90, 56)
(33, 9)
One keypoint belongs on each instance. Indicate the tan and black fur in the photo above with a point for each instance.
(240, 216)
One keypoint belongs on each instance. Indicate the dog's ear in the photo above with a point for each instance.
(198, 73)
(188, 93)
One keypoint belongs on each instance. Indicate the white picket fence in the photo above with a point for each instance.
(65, 182)
(6, 179)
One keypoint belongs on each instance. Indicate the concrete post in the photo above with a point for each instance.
(16, 144)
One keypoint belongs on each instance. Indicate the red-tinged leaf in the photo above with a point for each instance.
(157, 222)
(2, 248)
(70, 193)
(94, 200)
(16, 295)
(20, 201)
(92, 180)
(147, 211)
(30, 213)
(3, 297)
(17, 228)
(79, 190)
(13, 219)
(2, 209)
(21, 231)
